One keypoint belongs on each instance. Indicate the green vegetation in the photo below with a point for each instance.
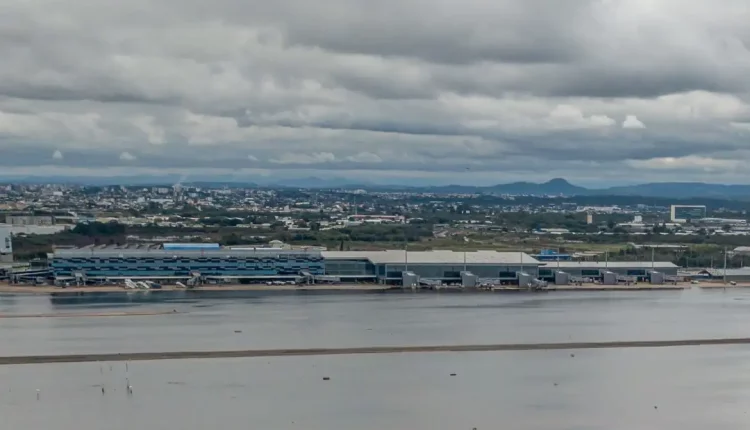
(506, 232)
(96, 229)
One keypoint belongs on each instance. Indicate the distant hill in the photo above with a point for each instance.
(555, 187)
(561, 187)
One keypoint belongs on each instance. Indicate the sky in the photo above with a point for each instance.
(600, 92)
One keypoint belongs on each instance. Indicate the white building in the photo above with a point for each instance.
(683, 213)
(6, 244)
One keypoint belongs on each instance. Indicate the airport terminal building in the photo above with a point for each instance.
(441, 266)
(210, 262)
(182, 262)
(199, 263)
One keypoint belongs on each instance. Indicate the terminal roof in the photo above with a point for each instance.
(610, 264)
(398, 256)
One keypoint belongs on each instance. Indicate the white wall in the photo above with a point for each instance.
(38, 229)
(6, 246)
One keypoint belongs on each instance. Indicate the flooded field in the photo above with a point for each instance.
(663, 388)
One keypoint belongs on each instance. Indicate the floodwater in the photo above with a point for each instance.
(659, 388)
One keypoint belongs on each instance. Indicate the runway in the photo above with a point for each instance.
(176, 355)
(89, 314)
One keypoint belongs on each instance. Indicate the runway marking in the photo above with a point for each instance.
(89, 314)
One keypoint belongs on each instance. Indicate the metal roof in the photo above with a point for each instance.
(610, 265)
(744, 271)
(158, 252)
(190, 246)
(433, 257)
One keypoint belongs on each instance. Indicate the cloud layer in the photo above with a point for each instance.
(457, 91)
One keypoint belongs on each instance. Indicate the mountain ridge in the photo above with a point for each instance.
(559, 186)
(553, 187)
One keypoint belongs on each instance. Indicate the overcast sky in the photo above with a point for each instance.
(455, 91)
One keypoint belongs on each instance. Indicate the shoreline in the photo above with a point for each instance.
(179, 355)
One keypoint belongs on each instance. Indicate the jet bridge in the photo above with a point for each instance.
(409, 280)
(430, 282)
(656, 278)
(469, 280)
(562, 278)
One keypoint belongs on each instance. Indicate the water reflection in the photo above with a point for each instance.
(156, 296)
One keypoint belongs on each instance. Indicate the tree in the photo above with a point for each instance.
(726, 227)
(91, 229)
(231, 239)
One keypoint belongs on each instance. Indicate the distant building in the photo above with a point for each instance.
(17, 230)
(684, 213)
(589, 218)
(552, 255)
(724, 221)
(29, 220)
(557, 231)
(377, 219)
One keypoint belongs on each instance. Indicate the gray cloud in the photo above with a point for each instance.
(577, 88)
(127, 156)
